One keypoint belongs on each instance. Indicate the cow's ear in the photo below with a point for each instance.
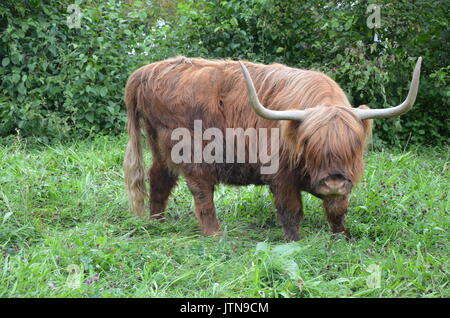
(289, 129)
(292, 142)
(367, 124)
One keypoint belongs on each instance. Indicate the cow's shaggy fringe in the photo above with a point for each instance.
(327, 151)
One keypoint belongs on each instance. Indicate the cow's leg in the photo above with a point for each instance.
(336, 209)
(288, 202)
(203, 192)
(162, 182)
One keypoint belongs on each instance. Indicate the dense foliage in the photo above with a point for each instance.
(63, 207)
(61, 82)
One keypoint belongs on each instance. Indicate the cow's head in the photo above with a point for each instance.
(327, 142)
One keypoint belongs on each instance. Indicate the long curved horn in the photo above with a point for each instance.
(259, 109)
(397, 110)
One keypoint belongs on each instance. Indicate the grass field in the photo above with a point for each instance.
(66, 231)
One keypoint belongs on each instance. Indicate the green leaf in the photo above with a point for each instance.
(21, 89)
(6, 217)
(90, 117)
(291, 268)
(234, 21)
(16, 58)
(15, 78)
(103, 91)
(286, 249)
(5, 61)
(262, 247)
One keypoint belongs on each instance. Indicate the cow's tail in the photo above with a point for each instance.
(133, 164)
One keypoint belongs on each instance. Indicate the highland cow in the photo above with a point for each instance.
(321, 142)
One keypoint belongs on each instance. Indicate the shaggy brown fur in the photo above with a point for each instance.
(173, 93)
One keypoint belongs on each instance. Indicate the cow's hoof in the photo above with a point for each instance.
(344, 233)
(292, 238)
(214, 232)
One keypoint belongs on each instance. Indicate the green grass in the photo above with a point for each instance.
(64, 207)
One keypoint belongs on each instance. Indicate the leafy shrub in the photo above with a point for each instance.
(58, 82)
(334, 38)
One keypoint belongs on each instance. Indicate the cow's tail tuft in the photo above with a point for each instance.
(133, 164)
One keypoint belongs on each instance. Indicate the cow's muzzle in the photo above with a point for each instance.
(334, 185)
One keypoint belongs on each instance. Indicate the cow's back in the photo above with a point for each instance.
(179, 91)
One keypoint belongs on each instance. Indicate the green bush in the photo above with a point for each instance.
(58, 82)
(333, 37)
(61, 82)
